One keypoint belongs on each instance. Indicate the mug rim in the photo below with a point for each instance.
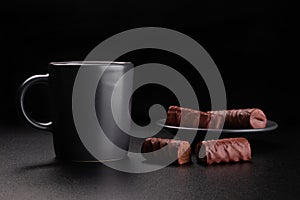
(89, 63)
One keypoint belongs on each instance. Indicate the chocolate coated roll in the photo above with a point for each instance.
(185, 117)
(181, 149)
(243, 118)
(223, 150)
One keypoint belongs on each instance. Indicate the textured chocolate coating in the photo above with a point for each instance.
(172, 116)
(185, 117)
(243, 118)
(223, 150)
(181, 148)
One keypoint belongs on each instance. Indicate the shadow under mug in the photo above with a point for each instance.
(60, 78)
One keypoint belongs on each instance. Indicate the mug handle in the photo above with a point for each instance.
(36, 79)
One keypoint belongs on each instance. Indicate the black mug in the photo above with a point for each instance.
(61, 78)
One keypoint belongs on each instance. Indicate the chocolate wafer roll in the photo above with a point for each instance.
(223, 150)
(176, 148)
(172, 116)
(243, 118)
(185, 117)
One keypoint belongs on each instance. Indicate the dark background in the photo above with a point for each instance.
(251, 43)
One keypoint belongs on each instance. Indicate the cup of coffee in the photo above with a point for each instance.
(60, 79)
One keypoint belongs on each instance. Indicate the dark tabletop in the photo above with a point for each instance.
(28, 170)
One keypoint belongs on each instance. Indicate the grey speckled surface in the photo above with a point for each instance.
(28, 170)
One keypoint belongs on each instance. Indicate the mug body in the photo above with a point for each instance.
(67, 143)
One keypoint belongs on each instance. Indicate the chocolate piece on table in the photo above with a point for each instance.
(185, 117)
(243, 118)
(181, 148)
(223, 150)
